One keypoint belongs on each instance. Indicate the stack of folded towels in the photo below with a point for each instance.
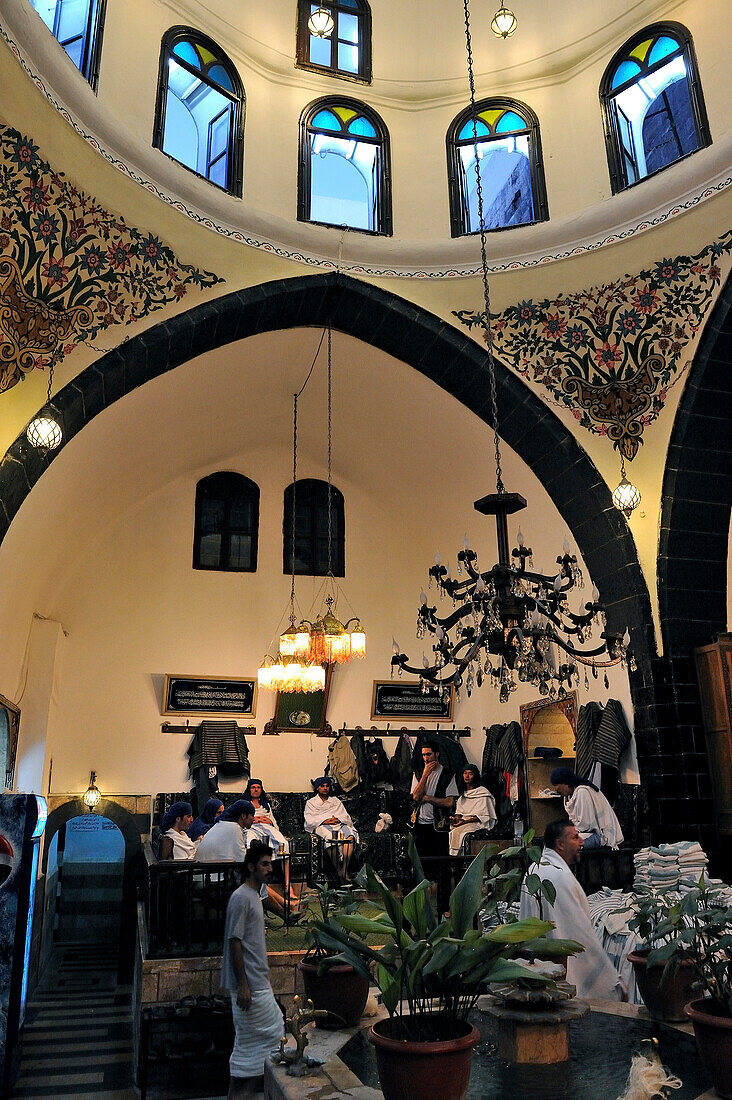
(670, 866)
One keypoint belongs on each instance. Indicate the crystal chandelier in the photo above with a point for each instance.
(292, 669)
(509, 623)
(330, 640)
(44, 431)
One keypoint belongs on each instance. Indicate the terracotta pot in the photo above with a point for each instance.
(412, 1071)
(713, 1034)
(667, 1001)
(340, 990)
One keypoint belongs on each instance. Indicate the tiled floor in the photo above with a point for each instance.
(77, 1041)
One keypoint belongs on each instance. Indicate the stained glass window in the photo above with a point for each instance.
(200, 108)
(227, 523)
(77, 25)
(652, 104)
(346, 51)
(311, 530)
(344, 167)
(509, 160)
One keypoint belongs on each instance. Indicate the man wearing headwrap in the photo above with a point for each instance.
(587, 809)
(211, 811)
(327, 817)
(176, 843)
(227, 839)
(245, 975)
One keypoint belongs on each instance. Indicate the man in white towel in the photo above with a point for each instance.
(227, 838)
(245, 974)
(591, 971)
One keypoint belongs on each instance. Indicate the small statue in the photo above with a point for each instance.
(297, 1061)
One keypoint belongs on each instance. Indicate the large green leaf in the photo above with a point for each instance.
(365, 926)
(519, 931)
(546, 947)
(416, 861)
(508, 970)
(418, 911)
(390, 902)
(390, 986)
(467, 897)
(443, 953)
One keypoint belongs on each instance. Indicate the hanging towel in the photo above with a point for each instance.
(588, 721)
(342, 764)
(221, 745)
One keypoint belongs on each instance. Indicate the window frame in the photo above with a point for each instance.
(253, 497)
(13, 718)
(613, 148)
(339, 545)
(303, 171)
(234, 171)
(302, 49)
(459, 214)
(92, 52)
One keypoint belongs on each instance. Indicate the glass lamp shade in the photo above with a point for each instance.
(626, 497)
(321, 23)
(288, 644)
(92, 796)
(338, 648)
(44, 431)
(290, 675)
(504, 23)
(358, 642)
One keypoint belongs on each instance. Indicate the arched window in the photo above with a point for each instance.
(347, 49)
(344, 176)
(511, 169)
(78, 25)
(652, 104)
(199, 112)
(311, 530)
(227, 523)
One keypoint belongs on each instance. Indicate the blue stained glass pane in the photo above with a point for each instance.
(362, 127)
(349, 4)
(320, 51)
(662, 48)
(347, 58)
(509, 122)
(219, 75)
(347, 28)
(188, 53)
(625, 71)
(467, 130)
(326, 120)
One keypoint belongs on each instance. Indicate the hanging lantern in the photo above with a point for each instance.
(504, 23)
(626, 497)
(92, 795)
(44, 430)
(358, 641)
(320, 23)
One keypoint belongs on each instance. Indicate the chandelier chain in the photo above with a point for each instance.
(500, 487)
(330, 457)
(294, 492)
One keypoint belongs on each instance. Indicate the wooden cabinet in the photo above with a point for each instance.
(550, 725)
(714, 671)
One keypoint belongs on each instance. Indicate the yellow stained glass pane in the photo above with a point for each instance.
(206, 55)
(640, 53)
(491, 117)
(345, 114)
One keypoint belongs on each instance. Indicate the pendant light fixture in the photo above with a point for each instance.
(508, 624)
(292, 669)
(44, 431)
(92, 795)
(504, 22)
(320, 23)
(626, 497)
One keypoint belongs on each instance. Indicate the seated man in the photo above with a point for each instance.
(591, 971)
(587, 809)
(176, 843)
(327, 817)
(227, 838)
(475, 809)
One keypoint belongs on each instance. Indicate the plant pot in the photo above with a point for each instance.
(339, 990)
(713, 1034)
(667, 1001)
(412, 1071)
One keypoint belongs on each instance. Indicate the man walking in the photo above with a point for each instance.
(245, 974)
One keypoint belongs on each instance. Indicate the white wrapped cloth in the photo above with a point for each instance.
(479, 803)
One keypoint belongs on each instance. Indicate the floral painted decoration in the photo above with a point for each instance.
(68, 268)
(609, 354)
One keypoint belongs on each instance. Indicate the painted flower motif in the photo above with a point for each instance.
(36, 196)
(554, 326)
(94, 260)
(4, 241)
(77, 228)
(179, 291)
(576, 336)
(646, 300)
(599, 315)
(6, 223)
(525, 312)
(55, 272)
(630, 322)
(119, 255)
(46, 227)
(608, 355)
(667, 270)
(152, 249)
(23, 152)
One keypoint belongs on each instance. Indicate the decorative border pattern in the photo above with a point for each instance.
(313, 261)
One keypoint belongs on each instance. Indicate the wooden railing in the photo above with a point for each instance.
(186, 906)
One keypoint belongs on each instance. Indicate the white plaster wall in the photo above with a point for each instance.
(104, 543)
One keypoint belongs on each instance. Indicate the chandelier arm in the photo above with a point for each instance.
(586, 656)
(447, 623)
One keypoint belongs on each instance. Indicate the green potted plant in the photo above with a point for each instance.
(666, 987)
(704, 932)
(334, 986)
(431, 974)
